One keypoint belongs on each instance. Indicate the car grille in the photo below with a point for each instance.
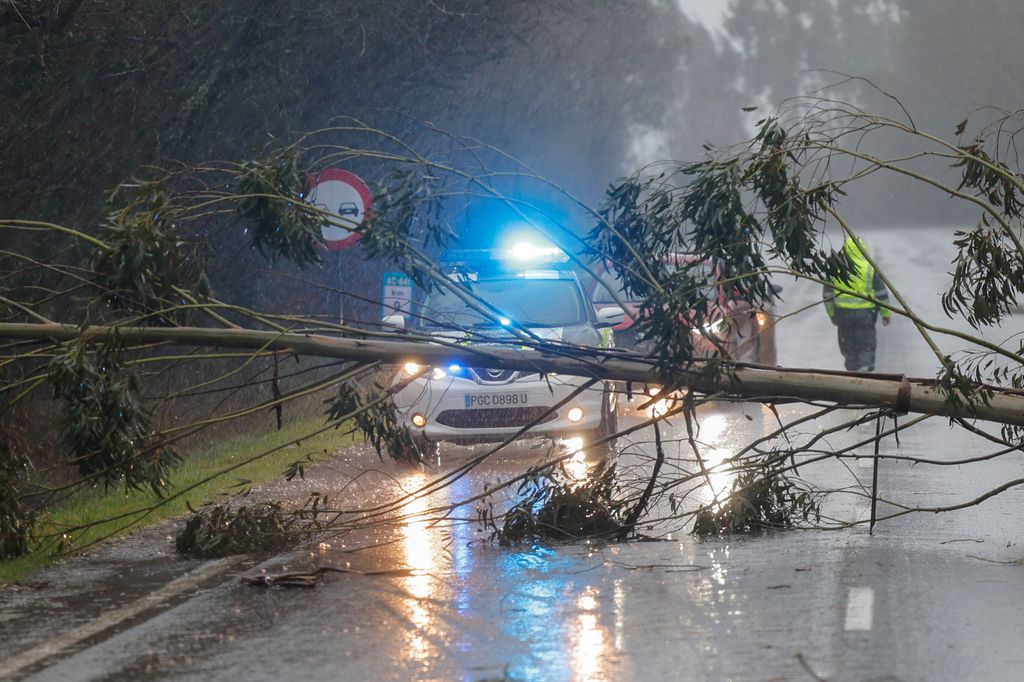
(493, 376)
(494, 417)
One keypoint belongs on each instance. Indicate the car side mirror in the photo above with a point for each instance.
(395, 320)
(610, 317)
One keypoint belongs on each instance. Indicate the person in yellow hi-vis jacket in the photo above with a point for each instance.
(852, 305)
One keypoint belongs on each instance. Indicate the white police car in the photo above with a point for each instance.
(462, 403)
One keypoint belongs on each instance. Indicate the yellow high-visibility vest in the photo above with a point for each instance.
(860, 283)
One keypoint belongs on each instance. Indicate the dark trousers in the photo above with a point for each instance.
(857, 337)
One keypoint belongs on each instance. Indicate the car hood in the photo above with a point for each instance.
(580, 334)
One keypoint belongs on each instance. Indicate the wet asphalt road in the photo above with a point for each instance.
(926, 597)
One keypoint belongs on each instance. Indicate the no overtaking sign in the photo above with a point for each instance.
(346, 196)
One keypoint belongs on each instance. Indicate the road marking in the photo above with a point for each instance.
(108, 620)
(860, 606)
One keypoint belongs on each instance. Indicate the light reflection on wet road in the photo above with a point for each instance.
(922, 599)
(737, 608)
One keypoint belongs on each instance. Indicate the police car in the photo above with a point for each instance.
(525, 290)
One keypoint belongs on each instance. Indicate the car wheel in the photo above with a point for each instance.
(430, 451)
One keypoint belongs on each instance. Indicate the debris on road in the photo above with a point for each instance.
(312, 578)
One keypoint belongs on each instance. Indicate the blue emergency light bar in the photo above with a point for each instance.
(523, 254)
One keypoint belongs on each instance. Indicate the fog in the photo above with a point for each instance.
(679, 77)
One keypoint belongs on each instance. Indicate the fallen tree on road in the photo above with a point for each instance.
(115, 330)
(755, 383)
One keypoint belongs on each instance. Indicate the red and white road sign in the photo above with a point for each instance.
(346, 196)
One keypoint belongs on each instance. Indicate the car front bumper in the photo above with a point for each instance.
(461, 410)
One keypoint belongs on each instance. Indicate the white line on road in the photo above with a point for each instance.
(112, 618)
(860, 606)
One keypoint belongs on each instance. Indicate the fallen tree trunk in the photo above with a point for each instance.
(757, 383)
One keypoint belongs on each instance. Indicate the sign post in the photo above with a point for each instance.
(396, 294)
(347, 199)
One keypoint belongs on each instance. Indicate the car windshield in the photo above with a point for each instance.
(528, 302)
(609, 282)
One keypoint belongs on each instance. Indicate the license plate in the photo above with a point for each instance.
(495, 400)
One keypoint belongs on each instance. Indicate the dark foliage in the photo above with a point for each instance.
(147, 266)
(702, 209)
(762, 498)
(221, 530)
(17, 516)
(105, 424)
(373, 414)
(271, 208)
(988, 276)
(555, 506)
(408, 223)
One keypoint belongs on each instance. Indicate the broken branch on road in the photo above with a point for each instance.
(312, 578)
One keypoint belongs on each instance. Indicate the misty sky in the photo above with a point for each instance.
(708, 13)
(944, 60)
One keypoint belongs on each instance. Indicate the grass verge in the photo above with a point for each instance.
(92, 509)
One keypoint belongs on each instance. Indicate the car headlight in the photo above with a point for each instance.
(415, 369)
(714, 327)
(661, 407)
